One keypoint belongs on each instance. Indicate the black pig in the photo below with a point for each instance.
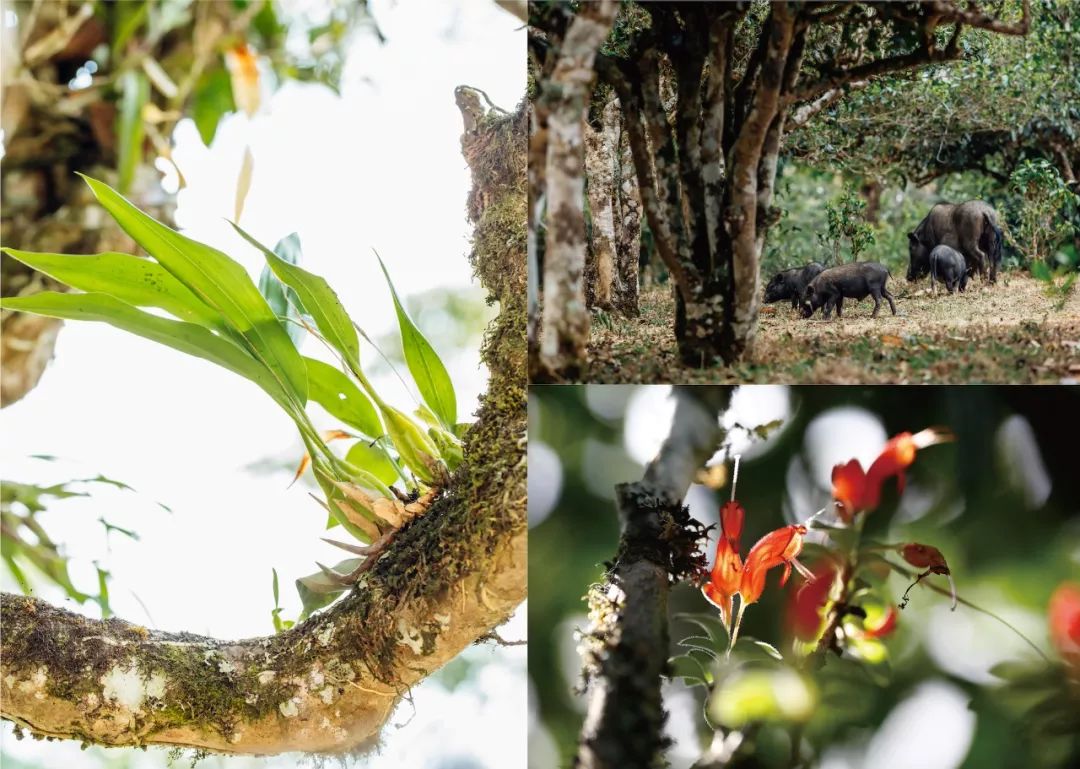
(847, 281)
(948, 266)
(790, 284)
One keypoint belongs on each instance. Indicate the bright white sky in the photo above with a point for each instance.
(380, 167)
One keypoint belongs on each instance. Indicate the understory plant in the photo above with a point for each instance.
(399, 462)
(836, 619)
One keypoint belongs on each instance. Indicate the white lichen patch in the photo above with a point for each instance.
(327, 725)
(226, 667)
(35, 684)
(127, 687)
(91, 702)
(325, 636)
(266, 677)
(410, 636)
(155, 686)
(9, 681)
(317, 679)
(443, 620)
(327, 694)
(289, 708)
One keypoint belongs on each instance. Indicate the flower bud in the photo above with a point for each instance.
(413, 446)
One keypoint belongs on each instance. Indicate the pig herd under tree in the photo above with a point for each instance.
(951, 243)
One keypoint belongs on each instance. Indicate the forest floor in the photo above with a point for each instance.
(1008, 333)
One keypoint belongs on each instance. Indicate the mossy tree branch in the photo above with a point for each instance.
(627, 649)
(330, 683)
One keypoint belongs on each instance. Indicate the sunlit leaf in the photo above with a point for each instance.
(220, 282)
(319, 300)
(336, 393)
(374, 460)
(426, 368)
(185, 337)
(137, 281)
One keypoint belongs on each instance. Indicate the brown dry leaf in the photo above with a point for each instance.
(243, 64)
(891, 340)
(243, 183)
(356, 519)
(327, 435)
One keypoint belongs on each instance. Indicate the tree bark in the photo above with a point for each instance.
(600, 151)
(627, 650)
(627, 230)
(330, 683)
(565, 322)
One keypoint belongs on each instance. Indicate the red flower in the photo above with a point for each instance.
(856, 490)
(807, 605)
(1064, 612)
(730, 575)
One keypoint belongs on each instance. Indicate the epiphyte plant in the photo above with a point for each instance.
(219, 314)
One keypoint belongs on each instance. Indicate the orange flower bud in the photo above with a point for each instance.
(1064, 616)
(925, 557)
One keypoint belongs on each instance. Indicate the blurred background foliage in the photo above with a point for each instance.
(1002, 503)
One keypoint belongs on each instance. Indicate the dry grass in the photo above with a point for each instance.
(1009, 333)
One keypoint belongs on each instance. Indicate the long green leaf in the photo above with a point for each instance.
(185, 337)
(319, 300)
(374, 460)
(424, 364)
(131, 279)
(336, 393)
(220, 282)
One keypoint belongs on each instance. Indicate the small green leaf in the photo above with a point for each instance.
(276, 601)
(319, 300)
(185, 337)
(374, 460)
(131, 279)
(425, 366)
(217, 280)
(134, 93)
(212, 100)
(336, 393)
(282, 299)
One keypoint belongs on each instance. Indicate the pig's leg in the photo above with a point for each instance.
(826, 311)
(889, 298)
(932, 286)
(839, 305)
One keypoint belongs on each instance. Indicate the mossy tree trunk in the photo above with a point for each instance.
(330, 683)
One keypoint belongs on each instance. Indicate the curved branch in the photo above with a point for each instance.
(659, 544)
(330, 683)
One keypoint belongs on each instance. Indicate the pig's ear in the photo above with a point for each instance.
(913, 238)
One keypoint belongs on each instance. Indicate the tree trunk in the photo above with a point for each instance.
(565, 333)
(627, 230)
(627, 649)
(600, 149)
(330, 683)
